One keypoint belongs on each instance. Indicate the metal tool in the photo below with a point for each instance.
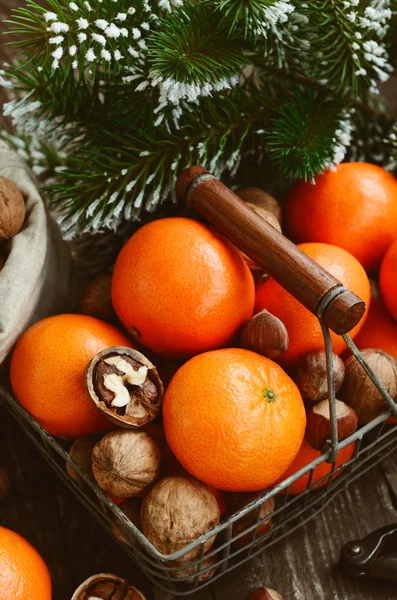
(373, 556)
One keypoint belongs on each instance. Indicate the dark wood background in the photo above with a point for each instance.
(301, 567)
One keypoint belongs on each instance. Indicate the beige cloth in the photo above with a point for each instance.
(36, 280)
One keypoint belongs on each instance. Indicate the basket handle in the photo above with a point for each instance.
(309, 283)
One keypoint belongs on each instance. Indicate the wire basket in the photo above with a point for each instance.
(277, 512)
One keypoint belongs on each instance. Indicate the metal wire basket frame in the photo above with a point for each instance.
(373, 442)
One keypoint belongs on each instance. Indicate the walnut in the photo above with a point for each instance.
(125, 386)
(206, 565)
(176, 512)
(131, 507)
(12, 209)
(81, 452)
(259, 198)
(126, 462)
(106, 586)
(360, 393)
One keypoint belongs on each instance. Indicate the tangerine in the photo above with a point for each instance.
(303, 327)
(353, 206)
(47, 372)
(234, 419)
(23, 573)
(180, 288)
(388, 280)
(305, 455)
(380, 329)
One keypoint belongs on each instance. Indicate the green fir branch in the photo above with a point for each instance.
(302, 138)
(193, 46)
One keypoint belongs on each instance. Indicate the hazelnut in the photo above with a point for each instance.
(360, 393)
(124, 463)
(125, 386)
(265, 334)
(177, 511)
(81, 452)
(319, 426)
(261, 199)
(238, 501)
(131, 507)
(311, 375)
(12, 209)
(96, 299)
(106, 586)
(4, 483)
(264, 594)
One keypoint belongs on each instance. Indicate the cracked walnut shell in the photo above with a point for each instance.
(177, 511)
(125, 386)
(106, 586)
(124, 463)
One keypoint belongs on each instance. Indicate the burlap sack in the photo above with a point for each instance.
(36, 280)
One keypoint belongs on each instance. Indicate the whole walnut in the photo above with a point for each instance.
(177, 511)
(259, 198)
(131, 507)
(12, 209)
(360, 392)
(81, 452)
(126, 462)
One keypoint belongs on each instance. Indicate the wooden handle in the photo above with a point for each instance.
(309, 283)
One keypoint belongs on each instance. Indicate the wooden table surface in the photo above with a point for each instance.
(301, 567)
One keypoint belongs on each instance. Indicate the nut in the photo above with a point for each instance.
(267, 215)
(12, 209)
(236, 502)
(265, 334)
(124, 463)
(4, 483)
(264, 594)
(311, 375)
(96, 299)
(125, 386)
(106, 586)
(360, 393)
(131, 507)
(319, 426)
(176, 512)
(191, 572)
(81, 452)
(261, 199)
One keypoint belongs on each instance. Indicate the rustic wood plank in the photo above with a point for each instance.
(304, 565)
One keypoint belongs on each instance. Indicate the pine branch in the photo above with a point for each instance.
(101, 187)
(193, 46)
(305, 136)
(255, 17)
(345, 51)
